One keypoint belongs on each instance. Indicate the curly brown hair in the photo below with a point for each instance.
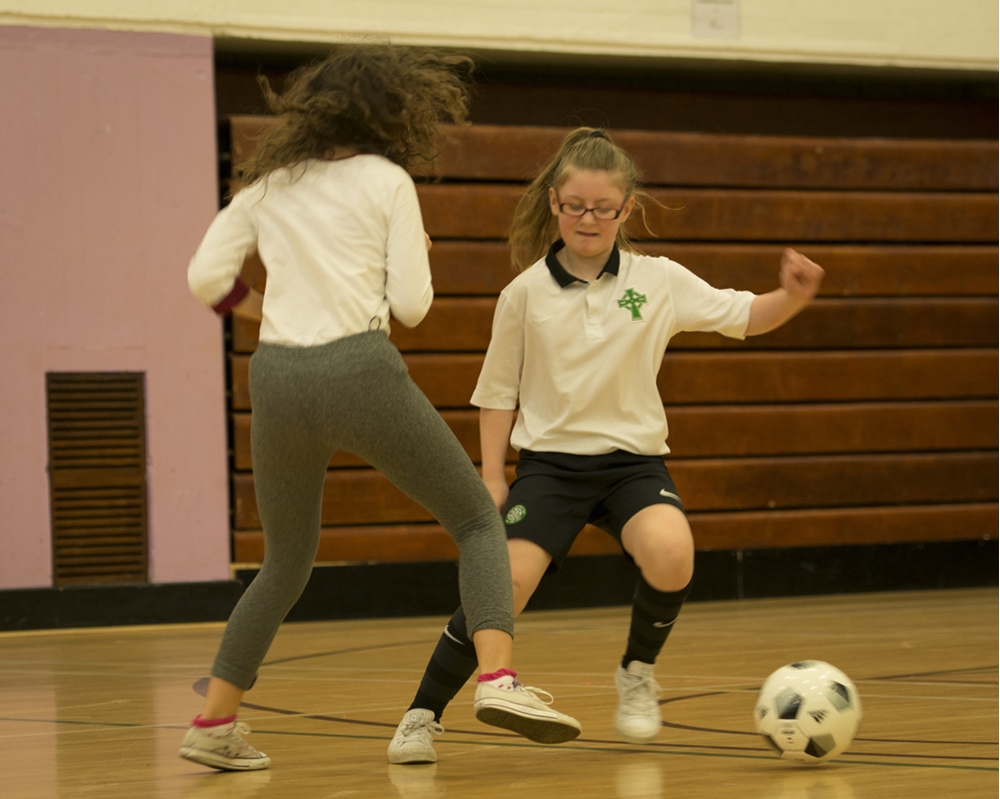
(376, 98)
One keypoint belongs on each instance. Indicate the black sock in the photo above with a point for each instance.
(453, 662)
(653, 616)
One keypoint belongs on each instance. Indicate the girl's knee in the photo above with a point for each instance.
(662, 546)
(667, 567)
(528, 564)
(284, 579)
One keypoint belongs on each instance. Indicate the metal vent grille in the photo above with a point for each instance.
(97, 473)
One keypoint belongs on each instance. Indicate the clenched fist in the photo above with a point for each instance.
(799, 276)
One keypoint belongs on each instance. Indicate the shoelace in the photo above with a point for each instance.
(234, 733)
(413, 727)
(536, 693)
(642, 688)
(237, 738)
(235, 743)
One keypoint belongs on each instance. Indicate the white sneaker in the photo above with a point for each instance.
(508, 704)
(222, 747)
(637, 718)
(412, 742)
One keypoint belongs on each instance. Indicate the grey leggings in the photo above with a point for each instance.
(353, 394)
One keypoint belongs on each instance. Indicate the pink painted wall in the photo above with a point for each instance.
(107, 182)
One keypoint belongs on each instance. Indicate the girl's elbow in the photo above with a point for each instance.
(411, 314)
(200, 288)
(407, 320)
(410, 317)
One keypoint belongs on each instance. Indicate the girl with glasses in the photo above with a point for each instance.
(578, 339)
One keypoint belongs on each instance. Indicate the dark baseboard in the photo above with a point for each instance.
(426, 589)
(112, 605)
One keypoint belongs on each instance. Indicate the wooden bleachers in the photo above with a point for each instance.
(870, 418)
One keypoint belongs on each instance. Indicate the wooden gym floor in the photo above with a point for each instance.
(100, 712)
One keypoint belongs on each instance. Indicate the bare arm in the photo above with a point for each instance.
(494, 438)
(800, 279)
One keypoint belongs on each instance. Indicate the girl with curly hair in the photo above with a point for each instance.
(333, 214)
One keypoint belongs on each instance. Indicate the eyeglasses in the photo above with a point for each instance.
(577, 210)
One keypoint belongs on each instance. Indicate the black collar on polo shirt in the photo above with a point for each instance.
(564, 278)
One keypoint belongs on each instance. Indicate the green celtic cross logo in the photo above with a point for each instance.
(633, 301)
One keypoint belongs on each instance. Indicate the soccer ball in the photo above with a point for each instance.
(808, 711)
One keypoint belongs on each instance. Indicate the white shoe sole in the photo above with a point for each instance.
(412, 758)
(537, 726)
(638, 737)
(213, 760)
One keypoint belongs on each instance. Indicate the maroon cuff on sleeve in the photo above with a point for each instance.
(232, 299)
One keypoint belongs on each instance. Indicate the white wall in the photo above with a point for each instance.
(910, 33)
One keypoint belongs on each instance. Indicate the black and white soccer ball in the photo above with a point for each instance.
(808, 711)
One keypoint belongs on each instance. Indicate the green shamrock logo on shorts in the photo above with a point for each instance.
(515, 514)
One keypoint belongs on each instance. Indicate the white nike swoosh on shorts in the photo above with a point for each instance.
(665, 493)
(662, 623)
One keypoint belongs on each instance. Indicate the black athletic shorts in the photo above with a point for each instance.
(556, 494)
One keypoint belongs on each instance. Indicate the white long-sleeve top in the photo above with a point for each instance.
(343, 244)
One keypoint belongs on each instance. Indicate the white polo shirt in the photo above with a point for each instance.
(343, 243)
(582, 358)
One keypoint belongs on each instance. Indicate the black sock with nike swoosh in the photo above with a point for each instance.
(653, 616)
(451, 665)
